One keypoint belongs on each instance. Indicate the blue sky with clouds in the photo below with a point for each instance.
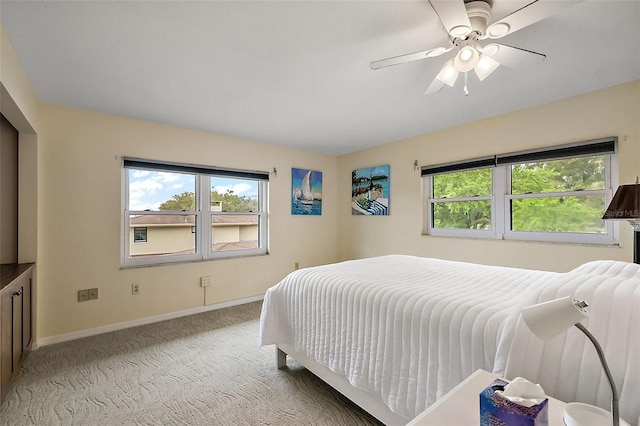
(148, 189)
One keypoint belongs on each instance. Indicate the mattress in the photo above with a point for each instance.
(402, 327)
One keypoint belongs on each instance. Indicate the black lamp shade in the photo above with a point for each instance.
(625, 203)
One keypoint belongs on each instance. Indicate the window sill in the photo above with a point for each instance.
(521, 241)
(182, 262)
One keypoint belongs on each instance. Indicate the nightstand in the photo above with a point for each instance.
(461, 406)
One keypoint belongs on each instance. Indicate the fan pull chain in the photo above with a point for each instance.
(466, 80)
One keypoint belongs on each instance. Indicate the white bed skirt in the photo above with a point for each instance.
(369, 402)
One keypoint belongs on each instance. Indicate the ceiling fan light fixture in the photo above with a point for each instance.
(448, 73)
(465, 27)
(485, 66)
(466, 59)
(466, 54)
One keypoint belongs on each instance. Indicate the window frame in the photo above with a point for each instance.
(203, 248)
(457, 232)
(501, 198)
(608, 237)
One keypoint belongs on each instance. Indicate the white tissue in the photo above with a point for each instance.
(523, 392)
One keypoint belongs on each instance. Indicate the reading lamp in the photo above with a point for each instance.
(625, 205)
(548, 319)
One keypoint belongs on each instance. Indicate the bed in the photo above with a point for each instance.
(395, 333)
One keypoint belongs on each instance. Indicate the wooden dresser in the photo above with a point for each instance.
(15, 321)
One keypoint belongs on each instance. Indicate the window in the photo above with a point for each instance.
(462, 200)
(557, 194)
(191, 213)
(139, 234)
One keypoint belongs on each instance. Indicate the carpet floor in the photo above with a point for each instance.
(204, 369)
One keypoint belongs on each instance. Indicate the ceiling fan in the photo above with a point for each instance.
(466, 24)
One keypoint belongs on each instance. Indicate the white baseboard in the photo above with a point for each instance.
(142, 321)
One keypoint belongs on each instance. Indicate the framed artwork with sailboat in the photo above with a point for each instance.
(306, 192)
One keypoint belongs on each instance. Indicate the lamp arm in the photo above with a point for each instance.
(614, 392)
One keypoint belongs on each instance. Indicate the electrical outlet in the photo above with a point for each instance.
(83, 295)
(93, 293)
(205, 281)
(135, 288)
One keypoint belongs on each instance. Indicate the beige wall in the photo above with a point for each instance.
(610, 112)
(80, 200)
(176, 238)
(245, 233)
(163, 239)
(234, 233)
(225, 234)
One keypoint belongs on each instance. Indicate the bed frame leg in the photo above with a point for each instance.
(281, 358)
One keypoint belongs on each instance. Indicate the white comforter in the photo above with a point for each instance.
(406, 328)
(409, 329)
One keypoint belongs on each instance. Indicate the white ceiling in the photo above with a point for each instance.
(297, 73)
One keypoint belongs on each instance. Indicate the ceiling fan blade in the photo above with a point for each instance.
(513, 57)
(453, 15)
(533, 12)
(435, 86)
(396, 60)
